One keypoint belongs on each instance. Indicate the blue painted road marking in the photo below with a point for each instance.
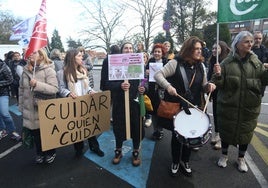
(136, 176)
(14, 109)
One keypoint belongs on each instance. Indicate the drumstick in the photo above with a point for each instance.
(189, 103)
(206, 102)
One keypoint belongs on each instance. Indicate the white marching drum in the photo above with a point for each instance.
(193, 130)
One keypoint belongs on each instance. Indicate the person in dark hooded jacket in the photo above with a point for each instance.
(118, 89)
(6, 121)
(260, 50)
(223, 51)
(155, 92)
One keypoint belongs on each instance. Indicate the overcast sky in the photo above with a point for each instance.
(61, 14)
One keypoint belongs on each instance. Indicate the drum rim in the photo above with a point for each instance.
(193, 110)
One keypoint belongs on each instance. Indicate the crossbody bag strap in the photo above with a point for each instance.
(187, 86)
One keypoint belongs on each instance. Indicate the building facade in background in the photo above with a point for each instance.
(252, 25)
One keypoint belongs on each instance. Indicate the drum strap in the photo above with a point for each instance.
(185, 79)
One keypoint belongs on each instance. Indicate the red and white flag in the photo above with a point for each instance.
(39, 35)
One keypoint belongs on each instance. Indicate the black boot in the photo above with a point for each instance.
(98, 151)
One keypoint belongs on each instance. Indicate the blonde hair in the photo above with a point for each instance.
(43, 54)
(166, 42)
(145, 54)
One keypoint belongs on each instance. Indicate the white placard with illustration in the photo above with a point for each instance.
(129, 66)
(153, 68)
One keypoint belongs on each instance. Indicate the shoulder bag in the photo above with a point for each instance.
(169, 109)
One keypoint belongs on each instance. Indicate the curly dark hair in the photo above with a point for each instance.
(188, 48)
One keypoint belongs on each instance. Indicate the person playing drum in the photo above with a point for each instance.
(170, 77)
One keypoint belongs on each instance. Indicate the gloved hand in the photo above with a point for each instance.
(185, 107)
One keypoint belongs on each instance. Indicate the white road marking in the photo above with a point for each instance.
(257, 173)
(10, 150)
(255, 170)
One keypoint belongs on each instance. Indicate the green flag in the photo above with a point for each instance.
(142, 105)
(239, 10)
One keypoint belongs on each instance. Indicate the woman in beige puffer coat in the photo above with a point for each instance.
(41, 79)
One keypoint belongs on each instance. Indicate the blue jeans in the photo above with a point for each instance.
(6, 120)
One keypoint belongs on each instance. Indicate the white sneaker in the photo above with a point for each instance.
(217, 146)
(196, 148)
(3, 134)
(148, 122)
(215, 139)
(174, 168)
(15, 136)
(185, 169)
(223, 161)
(242, 166)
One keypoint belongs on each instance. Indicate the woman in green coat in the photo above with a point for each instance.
(239, 79)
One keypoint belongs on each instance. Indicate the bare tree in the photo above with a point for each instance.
(148, 11)
(7, 21)
(102, 19)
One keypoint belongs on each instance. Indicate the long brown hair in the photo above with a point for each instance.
(69, 65)
(123, 45)
(188, 48)
(225, 50)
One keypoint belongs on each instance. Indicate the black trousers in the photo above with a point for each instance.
(37, 141)
(214, 108)
(241, 149)
(179, 151)
(92, 142)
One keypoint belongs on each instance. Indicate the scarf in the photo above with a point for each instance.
(80, 76)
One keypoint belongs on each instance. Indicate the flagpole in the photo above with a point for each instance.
(217, 42)
(34, 68)
(39, 34)
(33, 72)
(127, 113)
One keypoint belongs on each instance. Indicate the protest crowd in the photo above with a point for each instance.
(146, 88)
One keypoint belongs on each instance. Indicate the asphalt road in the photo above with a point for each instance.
(17, 167)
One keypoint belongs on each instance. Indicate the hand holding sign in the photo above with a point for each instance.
(125, 85)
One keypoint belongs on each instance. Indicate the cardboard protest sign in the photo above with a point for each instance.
(65, 121)
(129, 66)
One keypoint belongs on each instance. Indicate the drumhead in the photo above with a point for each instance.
(191, 126)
